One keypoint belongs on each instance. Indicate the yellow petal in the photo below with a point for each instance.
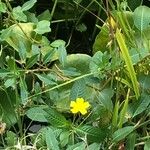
(74, 110)
(72, 104)
(83, 111)
(80, 100)
(86, 104)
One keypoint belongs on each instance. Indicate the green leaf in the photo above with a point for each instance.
(64, 138)
(46, 79)
(44, 15)
(81, 27)
(78, 89)
(22, 51)
(42, 27)
(58, 43)
(128, 61)
(147, 145)
(51, 140)
(10, 83)
(4, 73)
(94, 146)
(18, 14)
(94, 134)
(62, 54)
(31, 61)
(120, 134)
(29, 4)
(78, 146)
(141, 17)
(3, 7)
(37, 114)
(105, 98)
(143, 104)
(11, 138)
(144, 81)
(49, 56)
(131, 140)
(23, 91)
(56, 119)
(124, 110)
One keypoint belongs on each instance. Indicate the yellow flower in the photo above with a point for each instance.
(79, 106)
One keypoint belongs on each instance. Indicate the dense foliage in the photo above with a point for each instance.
(74, 75)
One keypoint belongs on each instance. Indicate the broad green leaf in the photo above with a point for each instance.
(141, 17)
(44, 15)
(120, 134)
(58, 43)
(75, 61)
(46, 79)
(18, 14)
(70, 71)
(101, 40)
(62, 54)
(29, 4)
(94, 134)
(11, 138)
(10, 83)
(51, 140)
(105, 98)
(78, 89)
(64, 138)
(4, 73)
(147, 145)
(37, 114)
(7, 103)
(42, 27)
(144, 81)
(131, 140)
(143, 104)
(56, 119)
(94, 146)
(3, 7)
(49, 56)
(31, 61)
(78, 146)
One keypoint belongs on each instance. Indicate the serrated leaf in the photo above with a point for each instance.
(78, 89)
(18, 14)
(143, 104)
(23, 91)
(10, 82)
(131, 140)
(37, 114)
(46, 79)
(62, 54)
(94, 146)
(141, 17)
(31, 61)
(105, 98)
(94, 134)
(56, 119)
(3, 7)
(22, 51)
(48, 57)
(4, 73)
(43, 27)
(64, 138)
(29, 4)
(51, 140)
(122, 133)
(78, 146)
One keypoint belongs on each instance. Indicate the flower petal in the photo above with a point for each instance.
(83, 111)
(74, 110)
(86, 104)
(79, 100)
(72, 104)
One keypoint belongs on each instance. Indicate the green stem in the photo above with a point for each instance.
(53, 9)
